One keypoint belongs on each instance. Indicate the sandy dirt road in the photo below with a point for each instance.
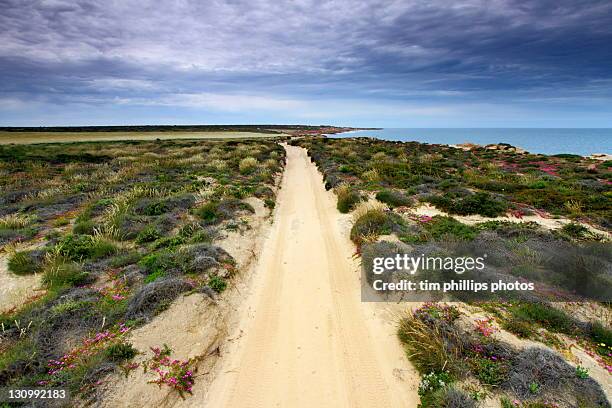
(308, 340)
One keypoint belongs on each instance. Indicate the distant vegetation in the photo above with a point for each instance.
(485, 182)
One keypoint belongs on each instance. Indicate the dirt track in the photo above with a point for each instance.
(308, 340)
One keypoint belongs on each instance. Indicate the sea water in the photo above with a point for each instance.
(546, 141)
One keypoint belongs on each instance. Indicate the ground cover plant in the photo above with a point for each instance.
(480, 181)
(460, 365)
(117, 231)
(455, 356)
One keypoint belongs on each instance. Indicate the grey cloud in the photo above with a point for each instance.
(406, 50)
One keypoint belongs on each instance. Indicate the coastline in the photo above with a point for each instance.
(545, 141)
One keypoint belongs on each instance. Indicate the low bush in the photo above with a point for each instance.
(448, 397)
(550, 318)
(432, 344)
(125, 259)
(545, 373)
(120, 352)
(155, 275)
(217, 283)
(521, 327)
(149, 234)
(393, 198)
(26, 262)
(84, 228)
(478, 203)
(370, 225)
(347, 198)
(155, 208)
(489, 372)
(600, 334)
(154, 297)
(574, 230)
(209, 212)
(168, 242)
(159, 262)
(439, 226)
(60, 271)
(79, 247)
(247, 165)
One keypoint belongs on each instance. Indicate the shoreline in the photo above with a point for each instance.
(596, 153)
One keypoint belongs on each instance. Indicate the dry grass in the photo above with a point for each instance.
(368, 206)
(15, 221)
(247, 165)
(371, 175)
(427, 345)
(60, 137)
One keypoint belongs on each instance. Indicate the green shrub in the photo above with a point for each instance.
(26, 262)
(441, 225)
(156, 208)
(209, 212)
(217, 283)
(69, 306)
(347, 198)
(600, 334)
(125, 259)
(479, 203)
(370, 225)
(487, 371)
(522, 328)
(61, 271)
(84, 228)
(79, 247)
(169, 242)
(76, 247)
(269, 203)
(120, 352)
(102, 248)
(538, 185)
(200, 236)
(149, 234)
(393, 198)
(156, 275)
(582, 373)
(21, 351)
(158, 262)
(547, 316)
(575, 230)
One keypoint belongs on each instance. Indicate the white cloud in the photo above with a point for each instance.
(219, 102)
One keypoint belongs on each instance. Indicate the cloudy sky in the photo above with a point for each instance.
(408, 63)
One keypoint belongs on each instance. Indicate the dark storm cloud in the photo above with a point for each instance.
(198, 53)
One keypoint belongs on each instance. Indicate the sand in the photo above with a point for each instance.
(305, 339)
(546, 223)
(64, 137)
(15, 289)
(194, 326)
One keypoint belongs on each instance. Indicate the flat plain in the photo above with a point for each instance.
(66, 137)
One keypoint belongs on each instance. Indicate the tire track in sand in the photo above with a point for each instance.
(309, 341)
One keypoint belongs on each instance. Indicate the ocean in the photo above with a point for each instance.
(546, 141)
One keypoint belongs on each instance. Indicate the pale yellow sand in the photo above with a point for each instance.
(308, 340)
(15, 289)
